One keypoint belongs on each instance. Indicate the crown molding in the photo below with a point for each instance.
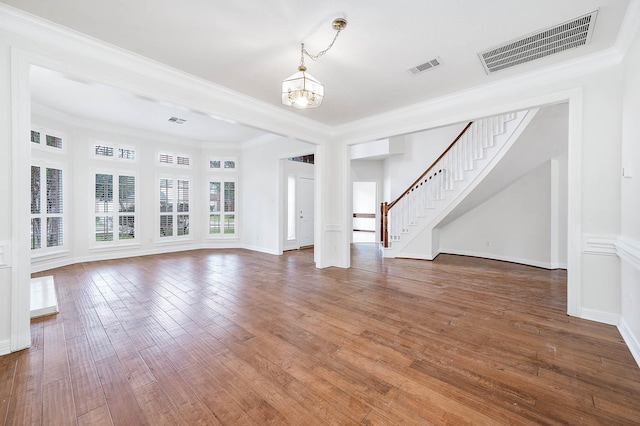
(432, 113)
(149, 78)
(85, 57)
(72, 121)
(629, 27)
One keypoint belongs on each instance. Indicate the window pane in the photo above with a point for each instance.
(214, 196)
(166, 195)
(229, 196)
(229, 224)
(182, 161)
(214, 224)
(54, 231)
(54, 191)
(35, 136)
(127, 193)
(54, 141)
(36, 233)
(229, 164)
(103, 150)
(126, 153)
(127, 229)
(35, 189)
(166, 158)
(104, 193)
(214, 164)
(104, 228)
(166, 225)
(291, 207)
(183, 196)
(183, 224)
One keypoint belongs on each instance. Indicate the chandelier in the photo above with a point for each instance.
(302, 90)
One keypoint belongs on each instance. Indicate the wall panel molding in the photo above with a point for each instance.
(629, 250)
(604, 245)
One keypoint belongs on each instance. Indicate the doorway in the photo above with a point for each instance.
(364, 209)
(305, 204)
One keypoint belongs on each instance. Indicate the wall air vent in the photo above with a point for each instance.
(177, 120)
(568, 35)
(424, 67)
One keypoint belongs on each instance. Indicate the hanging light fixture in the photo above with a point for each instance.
(301, 90)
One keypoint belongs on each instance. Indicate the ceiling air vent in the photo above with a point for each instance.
(568, 35)
(177, 120)
(426, 66)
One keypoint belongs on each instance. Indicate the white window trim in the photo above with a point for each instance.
(61, 250)
(222, 169)
(116, 147)
(222, 178)
(174, 162)
(116, 242)
(175, 238)
(42, 146)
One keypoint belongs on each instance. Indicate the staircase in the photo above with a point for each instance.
(409, 223)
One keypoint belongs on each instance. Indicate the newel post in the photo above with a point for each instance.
(384, 231)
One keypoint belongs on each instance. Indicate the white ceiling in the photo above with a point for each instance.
(250, 46)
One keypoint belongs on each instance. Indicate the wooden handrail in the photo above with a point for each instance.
(385, 207)
(391, 204)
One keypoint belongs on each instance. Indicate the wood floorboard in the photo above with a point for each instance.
(234, 337)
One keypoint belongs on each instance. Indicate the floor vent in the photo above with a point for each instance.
(424, 67)
(568, 35)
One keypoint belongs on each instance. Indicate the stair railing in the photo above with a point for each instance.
(385, 207)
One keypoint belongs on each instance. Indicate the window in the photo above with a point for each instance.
(222, 207)
(107, 150)
(174, 207)
(227, 164)
(35, 136)
(108, 188)
(47, 139)
(47, 224)
(177, 160)
(291, 207)
(54, 141)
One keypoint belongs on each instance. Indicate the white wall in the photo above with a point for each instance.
(261, 192)
(629, 242)
(6, 206)
(420, 151)
(296, 169)
(79, 180)
(514, 225)
(370, 171)
(594, 86)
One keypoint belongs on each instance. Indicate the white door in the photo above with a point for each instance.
(305, 219)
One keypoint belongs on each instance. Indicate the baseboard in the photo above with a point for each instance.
(98, 255)
(599, 316)
(5, 347)
(504, 258)
(261, 250)
(630, 340)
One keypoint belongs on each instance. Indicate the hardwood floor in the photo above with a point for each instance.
(236, 337)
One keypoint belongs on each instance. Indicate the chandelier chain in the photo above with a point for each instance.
(322, 52)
